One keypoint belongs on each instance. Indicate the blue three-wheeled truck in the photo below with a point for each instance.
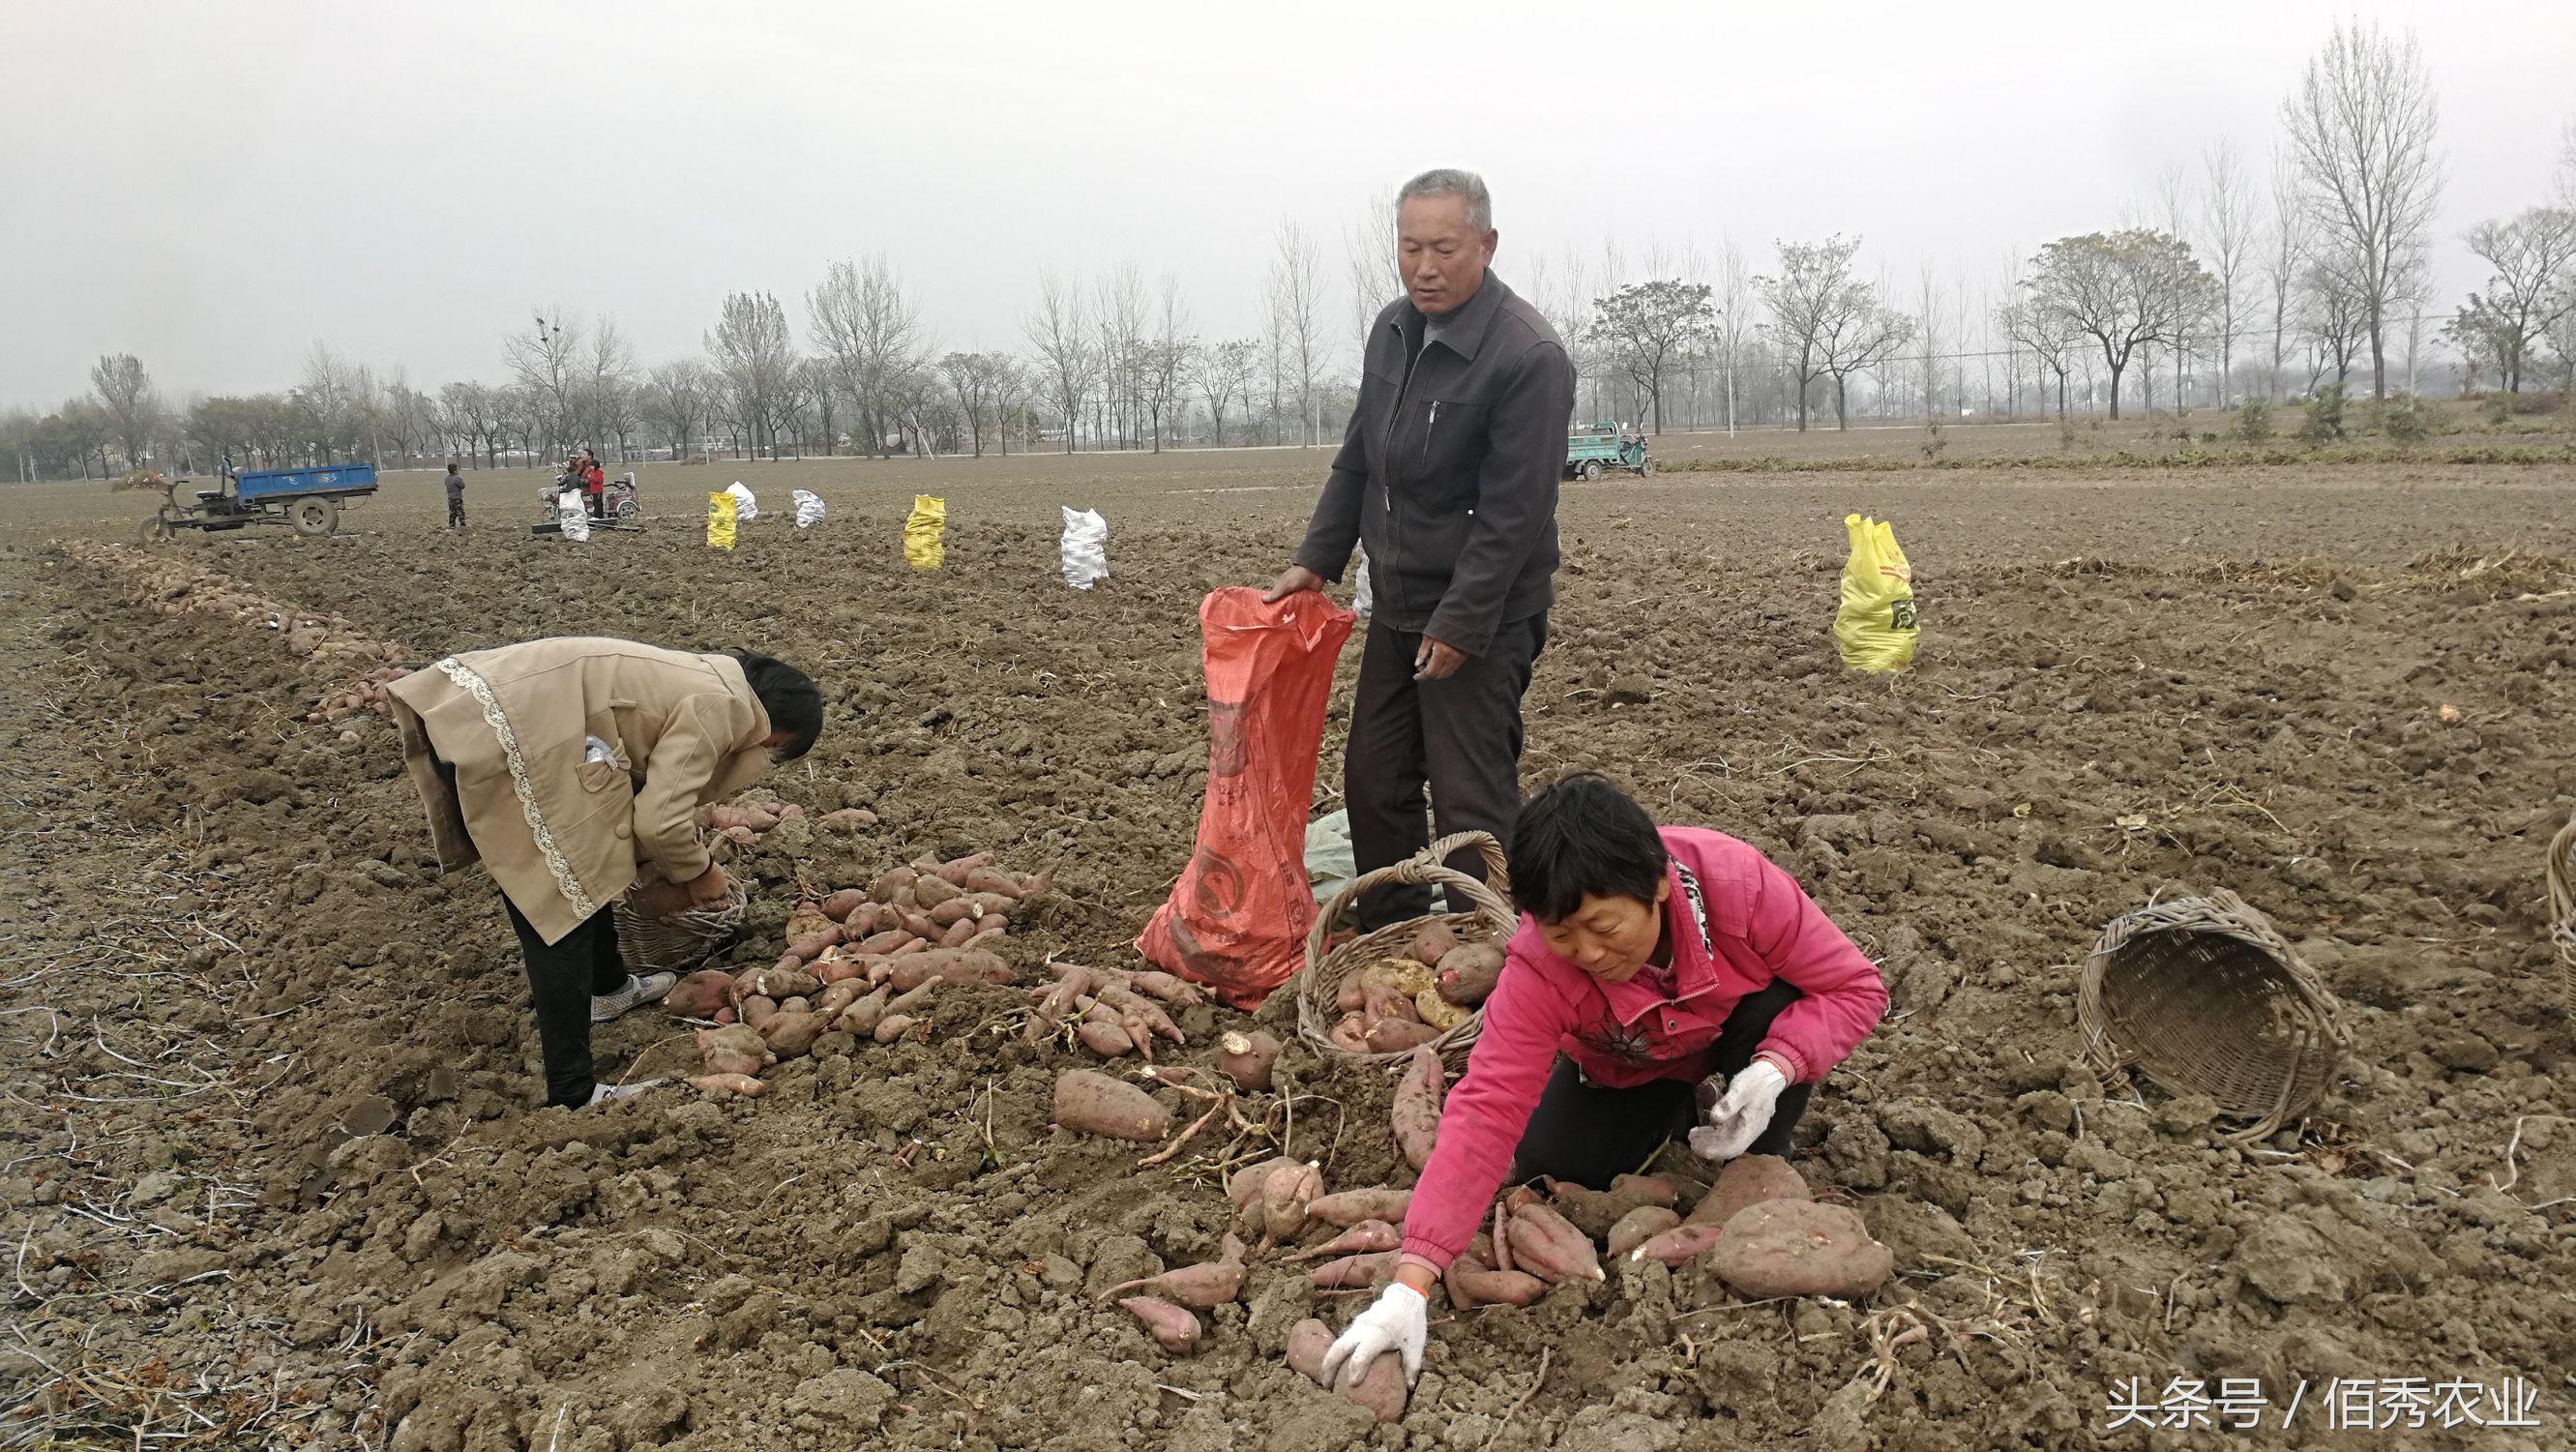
(309, 500)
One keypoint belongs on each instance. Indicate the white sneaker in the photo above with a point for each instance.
(605, 1093)
(639, 989)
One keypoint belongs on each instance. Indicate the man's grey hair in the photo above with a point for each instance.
(1449, 181)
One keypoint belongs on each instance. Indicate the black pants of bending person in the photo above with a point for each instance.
(1460, 737)
(1587, 1134)
(562, 976)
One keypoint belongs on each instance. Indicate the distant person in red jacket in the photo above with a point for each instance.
(594, 484)
(1664, 982)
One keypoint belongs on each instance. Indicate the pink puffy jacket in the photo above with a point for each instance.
(1736, 922)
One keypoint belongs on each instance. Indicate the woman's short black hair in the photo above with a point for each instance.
(1578, 837)
(789, 696)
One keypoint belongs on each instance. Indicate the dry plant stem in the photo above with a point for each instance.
(1514, 1409)
(1187, 1134)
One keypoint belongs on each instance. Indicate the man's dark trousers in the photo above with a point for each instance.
(1461, 736)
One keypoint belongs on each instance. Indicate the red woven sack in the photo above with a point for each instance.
(1237, 920)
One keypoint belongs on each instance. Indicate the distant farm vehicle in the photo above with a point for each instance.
(1595, 449)
(307, 500)
(621, 505)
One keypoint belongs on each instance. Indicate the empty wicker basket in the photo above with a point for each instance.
(2204, 997)
(679, 943)
(1493, 921)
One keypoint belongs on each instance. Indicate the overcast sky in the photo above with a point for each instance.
(216, 187)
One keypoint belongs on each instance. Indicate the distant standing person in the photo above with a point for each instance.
(455, 497)
(1448, 476)
(573, 769)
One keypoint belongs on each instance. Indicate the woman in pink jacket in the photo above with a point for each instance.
(1663, 981)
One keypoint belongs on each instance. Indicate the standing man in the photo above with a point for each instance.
(573, 769)
(1448, 476)
(455, 497)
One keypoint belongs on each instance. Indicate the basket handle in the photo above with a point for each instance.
(1427, 868)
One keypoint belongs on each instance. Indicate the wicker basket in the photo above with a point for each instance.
(2562, 910)
(1492, 922)
(2204, 997)
(679, 943)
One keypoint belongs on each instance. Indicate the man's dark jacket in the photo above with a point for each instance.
(1448, 472)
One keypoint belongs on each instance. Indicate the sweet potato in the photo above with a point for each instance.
(789, 1035)
(994, 881)
(700, 994)
(1366, 1236)
(992, 923)
(830, 970)
(1439, 1012)
(1501, 1240)
(806, 921)
(930, 892)
(1746, 1181)
(863, 1015)
(1286, 1191)
(1243, 1191)
(952, 912)
(1639, 1226)
(775, 982)
(742, 1084)
(958, 933)
(1207, 1285)
(1178, 992)
(758, 1009)
(1595, 1211)
(991, 904)
(1346, 1208)
(814, 945)
(984, 937)
(957, 965)
(1109, 1040)
(1392, 1035)
(795, 1005)
(838, 906)
(1482, 1285)
(734, 1049)
(1432, 943)
(1416, 1111)
(1648, 1190)
(892, 1027)
(878, 944)
(837, 997)
(892, 884)
(1174, 1328)
(1466, 975)
(1549, 1246)
(1349, 1034)
(1379, 1386)
(956, 870)
(1801, 1248)
(1133, 1005)
(1092, 1103)
(919, 925)
(1246, 1058)
(1677, 1243)
(847, 819)
(1353, 1271)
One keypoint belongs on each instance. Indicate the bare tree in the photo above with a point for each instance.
(975, 380)
(1734, 302)
(1368, 255)
(1058, 332)
(2335, 320)
(1827, 322)
(2124, 290)
(2361, 125)
(752, 349)
(676, 399)
(872, 332)
(339, 400)
(2227, 237)
(1119, 318)
(133, 405)
(1645, 325)
(2532, 286)
(2046, 336)
(1297, 310)
(547, 360)
(474, 413)
(1222, 373)
(2285, 255)
(1164, 367)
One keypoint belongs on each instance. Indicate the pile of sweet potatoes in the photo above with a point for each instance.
(1112, 1011)
(859, 962)
(1412, 997)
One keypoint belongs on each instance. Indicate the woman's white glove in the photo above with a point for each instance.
(1741, 1113)
(1396, 1323)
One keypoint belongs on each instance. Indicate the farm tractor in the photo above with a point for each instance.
(1595, 449)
